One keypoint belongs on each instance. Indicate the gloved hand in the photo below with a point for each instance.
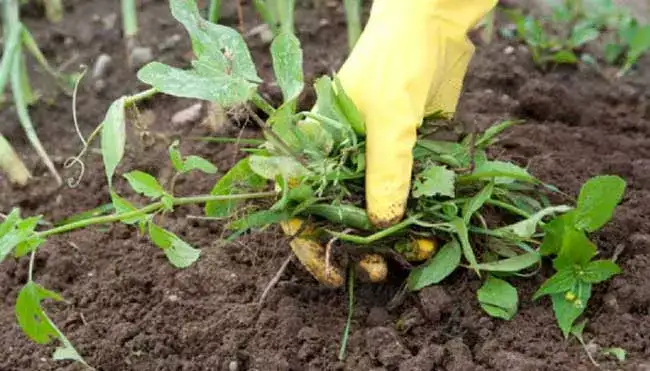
(409, 62)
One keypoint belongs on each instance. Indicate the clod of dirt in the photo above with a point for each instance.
(378, 316)
(515, 361)
(460, 356)
(546, 101)
(427, 359)
(386, 346)
(188, 115)
(435, 302)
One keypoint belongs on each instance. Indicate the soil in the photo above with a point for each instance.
(128, 309)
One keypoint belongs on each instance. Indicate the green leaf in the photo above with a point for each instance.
(113, 138)
(443, 263)
(498, 298)
(526, 228)
(582, 33)
(514, 264)
(217, 86)
(560, 282)
(145, 184)
(37, 325)
(619, 353)
(599, 270)
(240, 178)
(577, 250)
(613, 52)
(435, 180)
(198, 163)
(123, 206)
(215, 42)
(67, 353)
(259, 219)
(178, 252)
(597, 200)
(567, 311)
(18, 234)
(31, 317)
(489, 136)
(317, 138)
(287, 65)
(640, 43)
(331, 106)
(502, 173)
(9, 221)
(176, 157)
(272, 167)
(555, 231)
(477, 201)
(348, 108)
(578, 329)
(460, 228)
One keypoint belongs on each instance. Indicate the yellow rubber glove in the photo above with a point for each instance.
(410, 61)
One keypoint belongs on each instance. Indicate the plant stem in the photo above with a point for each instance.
(30, 272)
(348, 322)
(262, 104)
(214, 11)
(508, 207)
(376, 236)
(129, 18)
(267, 15)
(143, 95)
(353, 19)
(150, 208)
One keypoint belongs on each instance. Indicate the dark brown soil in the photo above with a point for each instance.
(130, 310)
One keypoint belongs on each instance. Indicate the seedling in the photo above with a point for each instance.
(314, 162)
(573, 24)
(13, 72)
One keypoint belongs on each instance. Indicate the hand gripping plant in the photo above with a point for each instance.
(465, 209)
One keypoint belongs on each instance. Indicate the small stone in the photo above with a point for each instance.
(508, 50)
(173, 298)
(233, 366)
(170, 42)
(141, 55)
(102, 66)
(188, 115)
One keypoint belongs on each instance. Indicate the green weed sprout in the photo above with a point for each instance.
(573, 24)
(13, 72)
(129, 21)
(491, 217)
(353, 19)
(277, 14)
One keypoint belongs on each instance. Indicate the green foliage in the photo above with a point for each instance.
(435, 180)
(498, 298)
(437, 269)
(574, 24)
(570, 287)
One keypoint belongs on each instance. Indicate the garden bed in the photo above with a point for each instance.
(129, 309)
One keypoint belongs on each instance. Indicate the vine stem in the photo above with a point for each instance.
(30, 272)
(132, 99)
(150, 208)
